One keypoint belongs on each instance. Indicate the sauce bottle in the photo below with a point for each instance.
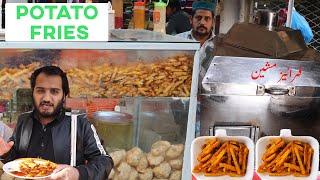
(111, 16)
(118, 8)
(138, 14)
(159, 16)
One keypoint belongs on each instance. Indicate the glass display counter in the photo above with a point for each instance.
(147, 76)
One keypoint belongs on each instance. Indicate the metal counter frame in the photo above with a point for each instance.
(100, 45)
(136, 45)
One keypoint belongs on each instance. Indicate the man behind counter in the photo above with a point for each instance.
(202, 22)
(45, 132)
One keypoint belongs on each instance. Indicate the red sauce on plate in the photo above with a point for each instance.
(18, 173)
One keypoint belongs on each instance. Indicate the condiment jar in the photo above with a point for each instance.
(139, 14)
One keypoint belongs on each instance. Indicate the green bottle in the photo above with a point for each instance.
(159, 16)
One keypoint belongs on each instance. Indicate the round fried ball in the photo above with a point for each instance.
(175, 175)
(143, 164)
(162, 171)
(176, 164)
(154, 160)
(134, 156)
(118, 156)
(146, 174)
(174, 151)
(159, 147)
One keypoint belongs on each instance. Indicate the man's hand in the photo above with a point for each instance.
(64, 172)
(5, 147)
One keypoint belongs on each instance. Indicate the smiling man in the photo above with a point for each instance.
(45, 132)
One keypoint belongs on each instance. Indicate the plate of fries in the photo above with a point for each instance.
(222, 157)
(30, 168)
(287, 157)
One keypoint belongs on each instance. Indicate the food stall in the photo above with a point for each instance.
(145, 76)
(265, 94)
(258, 97)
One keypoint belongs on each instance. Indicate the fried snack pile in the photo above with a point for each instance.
(13, 78)
(164, 161)
(36, 168)
(167, 77)
(287, 158)
(222, 158)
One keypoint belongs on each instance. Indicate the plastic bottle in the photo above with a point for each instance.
(159, 16)
(118, 8)
(139, 14)
(111, 16)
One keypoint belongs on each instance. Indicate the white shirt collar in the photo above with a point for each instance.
(190, 36)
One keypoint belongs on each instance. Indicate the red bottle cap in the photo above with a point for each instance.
(139, 3)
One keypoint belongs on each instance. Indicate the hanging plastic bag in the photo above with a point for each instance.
(300, 23)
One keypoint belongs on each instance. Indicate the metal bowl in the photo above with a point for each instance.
(266, 18)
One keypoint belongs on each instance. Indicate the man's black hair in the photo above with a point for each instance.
(51, 71)
(175, 4)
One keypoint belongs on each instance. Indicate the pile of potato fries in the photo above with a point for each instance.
(286, 158)
(222, 158)
(167, 77)
(12, 78)
(36, 168)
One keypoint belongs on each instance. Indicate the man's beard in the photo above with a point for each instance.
(53, 114)
(202, 34)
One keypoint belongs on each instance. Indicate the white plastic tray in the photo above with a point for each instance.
(286, 134)
(222, 135)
